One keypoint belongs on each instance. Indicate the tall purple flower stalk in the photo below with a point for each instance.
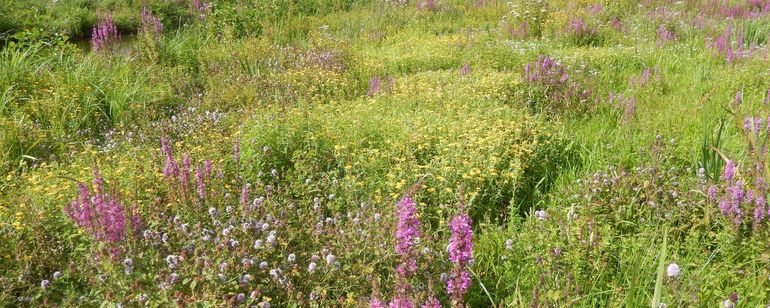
(150, 22)
(465, 70)
(460, 251)
(200, 183)
(207, 167)
(407, 234)
(245, 197)
(408, 229)
(171, 169)
(104, 34)
(375, 85)
(629, 110)
(186, 169)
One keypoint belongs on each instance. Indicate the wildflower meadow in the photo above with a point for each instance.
(385, 153)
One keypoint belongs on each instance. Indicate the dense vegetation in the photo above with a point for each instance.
(384, 152)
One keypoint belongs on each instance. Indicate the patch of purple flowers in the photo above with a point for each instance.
(102, 215)
(104, 34)
(150, 22)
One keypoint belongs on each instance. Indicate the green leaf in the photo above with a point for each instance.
(661, 270)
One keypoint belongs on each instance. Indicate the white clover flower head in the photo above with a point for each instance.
(246, 278)
(311, 267)
(673, 270)
(172, 260)
(173, 278)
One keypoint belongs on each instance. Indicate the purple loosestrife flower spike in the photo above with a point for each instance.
(407, 234)
(729, 171)
(186, 166)
(408, 229)
(200, 184)
(747, 124)
(245, 196)
(712, 192)
(461, 242)
(104, 34)
(150, 22)
(465, 70)
(460, 251)
(375, 83)
(207, 167)
(170, 170)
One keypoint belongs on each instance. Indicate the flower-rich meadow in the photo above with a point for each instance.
(383, 153)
